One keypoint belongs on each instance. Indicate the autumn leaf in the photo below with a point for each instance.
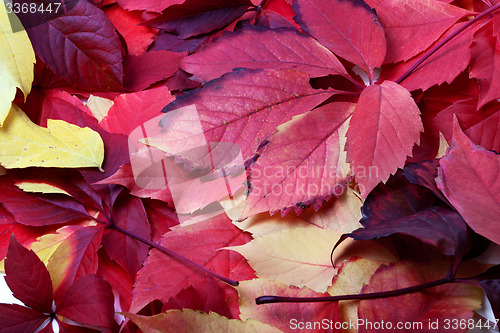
(16, 58)
(195, 321)
(384, 127)
(468, 179)
(74, 36)
(415, 24)
(349, 29)
(303, 164)
(256, 47)
(61, 144)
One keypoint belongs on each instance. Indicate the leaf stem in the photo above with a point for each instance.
(174, 255)
(445, 41)
(379, 294)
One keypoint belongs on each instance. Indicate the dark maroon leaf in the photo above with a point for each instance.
(170, 42)
(399, 207)
(39, 210)
(424, 174)
(89, 301)
(27, 277)
(129, 214)
(15, 318)
(490, 282)
(196, 17)
(81, 46)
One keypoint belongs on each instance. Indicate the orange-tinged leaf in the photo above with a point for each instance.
(383, 130)
(188, 320)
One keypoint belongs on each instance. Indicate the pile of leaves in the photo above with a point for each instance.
(348, 168)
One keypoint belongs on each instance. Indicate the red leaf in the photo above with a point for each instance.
(385, 126)
(171, 42)
(454, 301)
(82, 47)
(128, 25)
(257, 47)
(129, 214)
(39, 210)
(199, 242)
(485, 64)
(350, 29)
(443, 66)
(118, 278)
(152, 5)
(89, 301)
(16, 318)
(143, 70)
(196, 17)
(259, 102)
(303, 164)
(28, 278)
(74, 258)
(416, 24)
(468, 177)
(123, 117)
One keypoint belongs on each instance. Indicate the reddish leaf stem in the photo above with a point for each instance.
(441, 44)
(174, 255)
(380, 294)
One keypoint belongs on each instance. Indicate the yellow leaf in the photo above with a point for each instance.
(188, 320)
(299, 257)
(40, 188)
(17, 60)
(24, 144)
(99, 106)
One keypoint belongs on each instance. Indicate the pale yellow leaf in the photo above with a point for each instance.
(188, 320)
(40, 188)
(99, 106)
(341, 214)
(443, 146)
(298, 257)
(25, 144)
(17, 60)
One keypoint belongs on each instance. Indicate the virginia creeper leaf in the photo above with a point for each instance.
(303, 164)
(283, 315)
(299, 257)
(143, 70)
(194, 321)
(129, 214)
(449, 301)
(213, 234)
(196, 17)
(490, 282)
(153, 5)
(416, 24)
(81, 46)
(350, 29)
(28, 278)
(257, 47)
(245, 107)
(443, 66)
(468, 177)
(385, 126)
(123, 117)
(74, 258)
(485, 64)
(16, 58)
(61, 144)
(137, 37)
(89, 301)
(17, 318)
(39, 210)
